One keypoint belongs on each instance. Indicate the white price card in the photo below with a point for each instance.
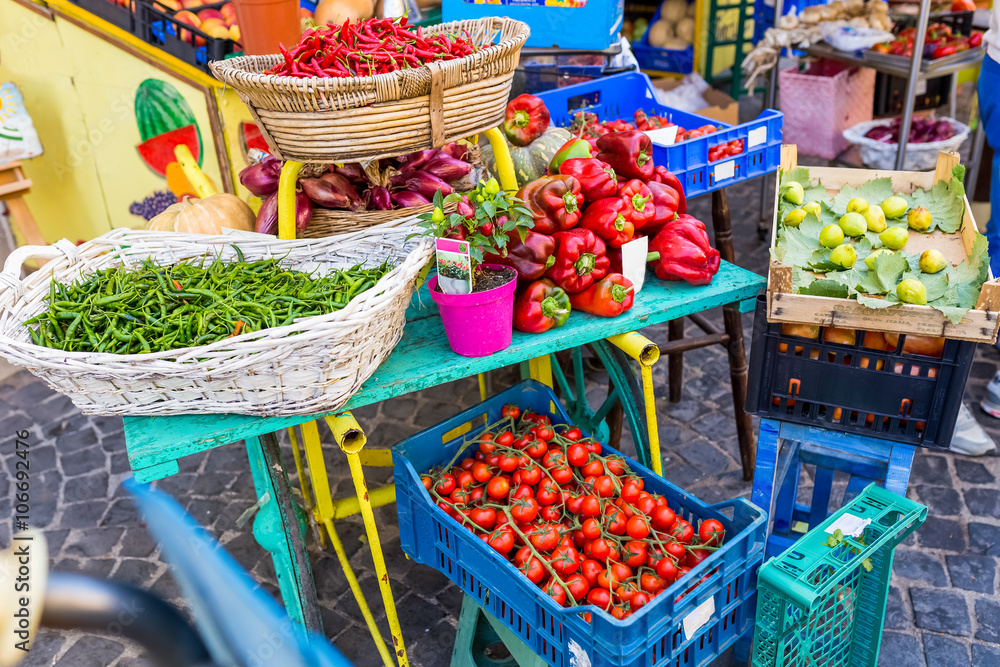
(665, 136)
(757, 136)
(697, 618)
(634, 261)
(849, 525)
(724, 170)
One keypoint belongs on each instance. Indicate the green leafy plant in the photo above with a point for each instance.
(838, 538)
(484, 218)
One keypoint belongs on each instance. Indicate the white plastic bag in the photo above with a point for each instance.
(847, 38)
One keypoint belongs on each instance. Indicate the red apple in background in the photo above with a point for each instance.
(228, 14)
(192, 20)
(206, 14)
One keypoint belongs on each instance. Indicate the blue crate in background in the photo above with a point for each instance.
(649, 57)
(593, 26)
(662, 633)
(619, 96)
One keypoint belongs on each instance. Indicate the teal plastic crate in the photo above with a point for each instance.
(682, 626)
(819, 604)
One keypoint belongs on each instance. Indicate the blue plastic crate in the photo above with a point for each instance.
(593, 27)
(655, 636)
(539, 77)
(619, 96)
(649, 57)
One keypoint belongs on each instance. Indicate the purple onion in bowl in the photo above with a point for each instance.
(406, 199)
(447, 168)
(322, 193)
(380, 198)
(267, 216)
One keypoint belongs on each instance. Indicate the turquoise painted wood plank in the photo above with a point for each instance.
(423, 359)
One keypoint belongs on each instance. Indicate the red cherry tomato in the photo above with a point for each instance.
(591, 506)
(634, 553)
(427, 481)
(637, 527)
(599, 597)
(682, 531)
(445, 485)
(591, 528)
(498, 488)
(502, 539)
(481, 472)
(666, 570)
(711, 532)
(577, 455)
(524, 509)
(511, 411)
(604, 486)
(663, 517)
(556, 592)
(578, 586)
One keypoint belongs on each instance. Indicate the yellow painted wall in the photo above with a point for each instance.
(80, 89)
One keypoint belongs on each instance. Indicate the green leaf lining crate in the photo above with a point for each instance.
(829, 296)
(822, 602)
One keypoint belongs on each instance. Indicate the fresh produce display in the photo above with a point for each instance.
(219, 23)
(531, 161)
(401, 182)
(587, 125)
(541, 307)
(527, 119)
(368, 47)
(673, 30)
(576, 523)
(922, 130)
(938, 42)
(874, 224)
(151, 308)
(205, 216)
(682, 251)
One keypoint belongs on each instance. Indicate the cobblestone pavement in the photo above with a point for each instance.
(943, 608)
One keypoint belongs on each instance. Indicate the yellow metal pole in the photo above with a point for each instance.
(501, 153)
(646, 353)
(482, 386)
(349, 436)
(286, 199)
(384, 495)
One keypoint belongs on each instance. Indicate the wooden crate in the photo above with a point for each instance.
(783, 305)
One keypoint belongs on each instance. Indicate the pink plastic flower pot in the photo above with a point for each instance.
(477, 324)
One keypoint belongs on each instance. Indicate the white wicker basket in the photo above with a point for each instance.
(309, 367)
(919, 157)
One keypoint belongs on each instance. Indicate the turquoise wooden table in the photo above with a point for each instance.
(421, 360)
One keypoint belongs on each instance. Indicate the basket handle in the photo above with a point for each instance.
(11, 275)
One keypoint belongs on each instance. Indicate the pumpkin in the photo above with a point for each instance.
(531, 161)
(205, 216)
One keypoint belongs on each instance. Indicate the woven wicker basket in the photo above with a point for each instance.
(360, 118)
(309, 367)
(328, 222)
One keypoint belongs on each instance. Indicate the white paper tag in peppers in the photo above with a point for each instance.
(454, 266)
(664, 136)
(634, 261)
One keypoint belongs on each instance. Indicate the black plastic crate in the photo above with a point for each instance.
(111, 11)
(894, 395)
(161, 29)
(890, 93)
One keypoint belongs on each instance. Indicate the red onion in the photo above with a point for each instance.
(422, 183)
(380, 198)
(353, 172)
(405, 199)
(303, 211)
(447, 168)
(416, 160)
(455, 150)
(262, 178)
(322, 193)
(267, 216)
(344, 187)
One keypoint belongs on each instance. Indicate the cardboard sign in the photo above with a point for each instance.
(634, 261)
(454, 266)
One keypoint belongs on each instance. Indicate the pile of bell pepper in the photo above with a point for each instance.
(597, 196)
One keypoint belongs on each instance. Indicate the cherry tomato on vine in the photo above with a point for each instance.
(626, 591)
(484, 517)
(696, 556)
(634, 553)
(591, 528)
(608, 580)
(625, 507)
(578, 586)
(502, 539)
(590, 568)
(650, 583)
(524, 509)
(544, 538)
(427, 481)
(600, 549)
(663, 517)
(531, 475)
(508, 462)
(522, 491)
(556, 592)
(550, 513)
(536, 449)
(631, 490)
(574, 503)
(498, 488)
(620, 612)
(577, 455)
(604, 486)
(481, 472)
(682, 531)
(476, 493)
(591, 506)
(593, 446)
(533, 570)
(711, 532)
(677, 550)
(639, 600)
(615, 521)
(445, 485)
(561, 474)
(593, 469)
(553, 458)
(637, 528)
(573, 434)
(460, 496)
(545, 433)
(467, 463)
(548, 492)
(505, 439)
(599, 597)
(511, 411)
(615, 465)
(565, 560)
(666, 570)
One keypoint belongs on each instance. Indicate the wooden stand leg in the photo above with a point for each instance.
(738, 376)
(675, 361)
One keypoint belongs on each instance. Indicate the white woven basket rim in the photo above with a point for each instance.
(16, 345)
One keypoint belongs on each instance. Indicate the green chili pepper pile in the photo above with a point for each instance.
(156, 308)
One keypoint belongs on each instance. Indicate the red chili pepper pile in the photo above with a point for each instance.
(577, 524)
(368, 47)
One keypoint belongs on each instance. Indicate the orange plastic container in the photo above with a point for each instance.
(265, 23)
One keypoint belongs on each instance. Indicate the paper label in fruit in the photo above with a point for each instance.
(849, 525)
(634, 261)
(757, 136)
(724, 170)
(665, 136)
(699, 617)
(454, 266)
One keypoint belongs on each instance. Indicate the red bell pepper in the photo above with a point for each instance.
(540, 307)
(681, 251)
(530, 257)
(575, 147)
(609, 297)
(661, 175)
(630, 154)
(597, 179)
(611, 219)
(639, 199)
(527, 119)
(554, 202)
(665, 202)
(580, 260)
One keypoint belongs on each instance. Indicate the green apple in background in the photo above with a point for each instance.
(894, 207)
(831, 236)
(853, 224)
(844, 255)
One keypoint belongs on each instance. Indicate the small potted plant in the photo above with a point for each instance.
(476, 300)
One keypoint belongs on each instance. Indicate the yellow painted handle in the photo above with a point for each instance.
(501, 153)
(286, 199)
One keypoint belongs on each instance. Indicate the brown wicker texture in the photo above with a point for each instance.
(362, 118)
(328, 222)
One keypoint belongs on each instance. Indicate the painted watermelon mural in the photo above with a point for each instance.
(165, 120)
(252, 138)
